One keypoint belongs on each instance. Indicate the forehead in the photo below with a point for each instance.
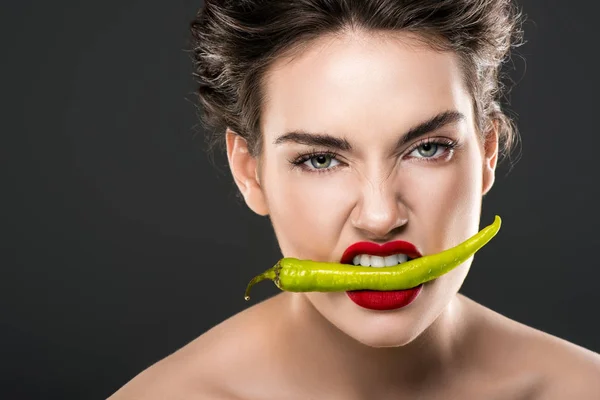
(357, 83)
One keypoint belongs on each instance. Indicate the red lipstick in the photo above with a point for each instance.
(382, 300)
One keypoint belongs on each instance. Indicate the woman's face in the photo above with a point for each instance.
(365, 181)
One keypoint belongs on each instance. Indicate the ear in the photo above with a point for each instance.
(490, 158)
(244, 168)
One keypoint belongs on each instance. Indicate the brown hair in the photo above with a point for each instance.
(235, 41)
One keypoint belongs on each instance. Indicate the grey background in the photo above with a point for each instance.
(121, 242)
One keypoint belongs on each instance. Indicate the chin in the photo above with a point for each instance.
(376, 329)
(384, 339)
(385, 330)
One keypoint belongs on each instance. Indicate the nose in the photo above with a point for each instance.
(380, 212)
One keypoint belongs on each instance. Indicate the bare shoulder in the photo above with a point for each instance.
(571, 371)
(212, 365)
(551, 367)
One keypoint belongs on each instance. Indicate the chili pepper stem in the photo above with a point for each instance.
(272, 274)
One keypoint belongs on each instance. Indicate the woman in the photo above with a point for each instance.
(353, 121)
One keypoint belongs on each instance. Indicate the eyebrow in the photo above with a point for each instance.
(325, 140)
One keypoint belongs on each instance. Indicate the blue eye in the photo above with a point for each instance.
(316, 161)
(433, 149)
(428, 149)
(321, 161)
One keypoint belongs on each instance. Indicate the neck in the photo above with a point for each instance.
(345, 362)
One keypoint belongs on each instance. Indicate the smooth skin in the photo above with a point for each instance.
(369, 90)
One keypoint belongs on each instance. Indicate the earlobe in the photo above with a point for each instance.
(244, 168)
(490, 158)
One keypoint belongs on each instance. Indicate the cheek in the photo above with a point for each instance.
(453, 189)
(445, 202)
(308, 211)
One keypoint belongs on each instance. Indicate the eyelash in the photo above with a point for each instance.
(449, 146)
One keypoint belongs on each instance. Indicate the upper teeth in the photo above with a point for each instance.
(367, 260)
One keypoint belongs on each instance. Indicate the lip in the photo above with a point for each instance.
(382, 250)
(376, 300)
(389, 300)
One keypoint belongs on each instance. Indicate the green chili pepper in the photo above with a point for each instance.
(294, 275)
